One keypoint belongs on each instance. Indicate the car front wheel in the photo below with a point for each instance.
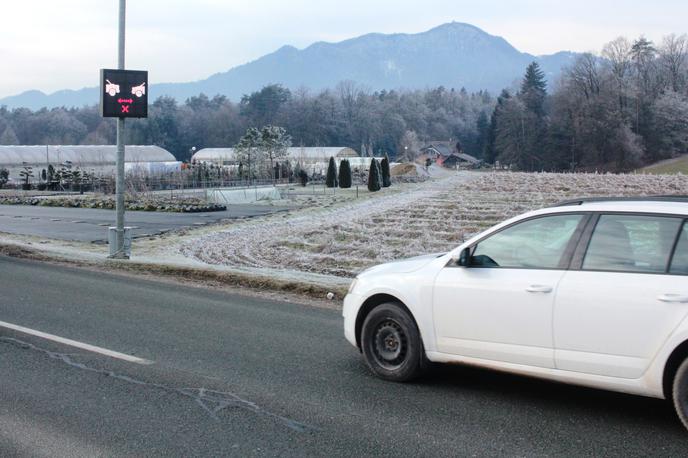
(391, 343)
(680, 392)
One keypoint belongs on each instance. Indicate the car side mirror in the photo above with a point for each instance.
(464, 258)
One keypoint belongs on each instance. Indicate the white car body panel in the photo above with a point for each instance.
(643, 386)
(624, 326)
(620, 342)
(488, 313)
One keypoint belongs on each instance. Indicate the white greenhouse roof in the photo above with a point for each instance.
(80, 154)
(298, 152)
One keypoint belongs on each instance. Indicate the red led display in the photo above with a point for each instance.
(124, 93)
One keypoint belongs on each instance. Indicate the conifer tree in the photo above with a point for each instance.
(534, 89)
(530, 152)
(490, 149)
(331, 180)
(482, 125)
(344, 174)
(386, 176)
(374, 176)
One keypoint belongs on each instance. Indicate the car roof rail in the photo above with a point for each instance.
(584, 200)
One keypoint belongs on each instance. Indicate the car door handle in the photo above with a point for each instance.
(539, 289)
(669, 297)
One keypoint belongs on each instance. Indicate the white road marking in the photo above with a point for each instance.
(74, 343)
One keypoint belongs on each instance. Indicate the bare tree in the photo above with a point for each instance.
(671, 123)
(584, 74)
(673, 57)
(618, 55)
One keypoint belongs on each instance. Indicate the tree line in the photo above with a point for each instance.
(616, 111)
(372, 123)
(623, 108)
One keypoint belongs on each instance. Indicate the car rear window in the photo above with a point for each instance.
(679, 264)
(630, 243)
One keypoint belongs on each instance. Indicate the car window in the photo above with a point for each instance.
(537, 243)
(679, 265)
(630, 243)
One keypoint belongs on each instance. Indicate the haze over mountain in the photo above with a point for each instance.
(453, 55)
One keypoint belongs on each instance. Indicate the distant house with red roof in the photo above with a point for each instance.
(447, 154)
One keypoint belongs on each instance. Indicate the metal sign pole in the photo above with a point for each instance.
(120, 254)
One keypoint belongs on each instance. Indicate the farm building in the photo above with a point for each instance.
(447, 154)
(438, 149)
(458, 160)
(98, 159)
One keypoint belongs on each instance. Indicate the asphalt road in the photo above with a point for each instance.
(90, 225)
(241, 376)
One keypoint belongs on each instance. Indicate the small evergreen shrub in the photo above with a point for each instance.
(386, 176)
(374, 176)
(331, 180)
(345, 174)
(303, 177)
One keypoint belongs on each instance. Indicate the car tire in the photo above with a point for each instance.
(391, 343)
(679, 392)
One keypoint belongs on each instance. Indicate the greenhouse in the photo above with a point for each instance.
(98, 159)
(301, 155)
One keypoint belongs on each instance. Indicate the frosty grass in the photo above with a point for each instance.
(434, 216)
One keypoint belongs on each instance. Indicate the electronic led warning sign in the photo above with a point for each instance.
(124, 93)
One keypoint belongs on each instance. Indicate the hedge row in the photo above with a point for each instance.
(186, 205)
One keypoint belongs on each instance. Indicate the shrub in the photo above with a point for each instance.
(303, 177)
(4, 177)
(374, 176)
(331, 180)
(345, 174)
(386, 176)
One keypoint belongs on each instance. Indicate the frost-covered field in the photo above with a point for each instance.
(429, 217)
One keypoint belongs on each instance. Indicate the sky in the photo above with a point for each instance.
(50, 45)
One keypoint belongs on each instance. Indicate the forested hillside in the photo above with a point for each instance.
(345, 116)
(614, 112)
(451, 55)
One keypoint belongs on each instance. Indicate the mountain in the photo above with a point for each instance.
(451, 55)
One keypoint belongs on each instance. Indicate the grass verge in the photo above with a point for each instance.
(668, 167)
(186, 275)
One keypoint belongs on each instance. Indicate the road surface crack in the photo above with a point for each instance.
(212, 402)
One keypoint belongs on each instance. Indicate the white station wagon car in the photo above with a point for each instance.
(591, 292)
